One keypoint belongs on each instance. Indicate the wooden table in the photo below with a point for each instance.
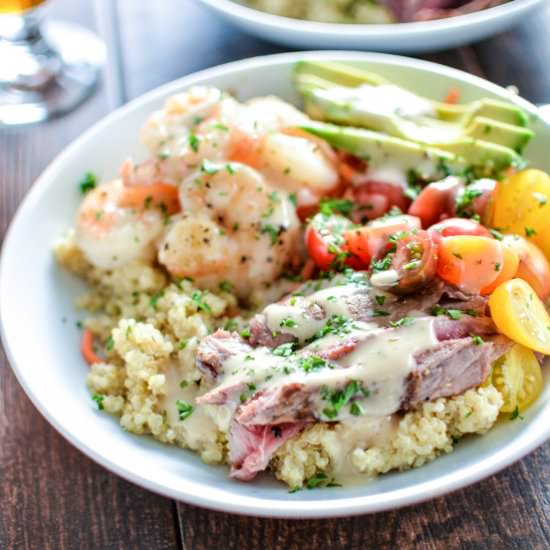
(52, 496)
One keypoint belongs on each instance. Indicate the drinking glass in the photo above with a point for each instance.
(45, 69)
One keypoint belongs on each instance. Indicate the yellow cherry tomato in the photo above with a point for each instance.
(518, 377)
(519, 314)
(470, 262)
(506, 271)
(522, 204)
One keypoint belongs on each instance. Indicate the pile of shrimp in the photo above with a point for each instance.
(220, 197)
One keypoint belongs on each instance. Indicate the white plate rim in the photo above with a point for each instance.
(246, 505)
(274, 22)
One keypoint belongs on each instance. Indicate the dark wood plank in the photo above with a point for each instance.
(509, 510)
(52, 496)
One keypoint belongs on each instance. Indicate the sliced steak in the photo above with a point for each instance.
(451, 368)
(251, 448)
(216, 348)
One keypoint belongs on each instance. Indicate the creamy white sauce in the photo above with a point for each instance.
(199, 424)
(380, 101)
(294, 318)
(379, 364)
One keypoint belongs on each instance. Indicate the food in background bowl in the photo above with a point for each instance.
(371, 11)
(326, 293)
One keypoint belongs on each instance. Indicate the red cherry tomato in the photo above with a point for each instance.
(367, 242)
(457, 226)
(436, 201)
(325, 242)
(409, 264)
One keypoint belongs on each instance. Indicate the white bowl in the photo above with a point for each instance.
(397, 37)
(41, 340)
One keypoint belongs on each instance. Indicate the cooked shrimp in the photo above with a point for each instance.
(261, 133)
(116, 224)
(234, 228)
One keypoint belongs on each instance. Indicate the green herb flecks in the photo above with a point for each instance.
(98, 400)
(88, 182)
(198, 299)
(184, 409)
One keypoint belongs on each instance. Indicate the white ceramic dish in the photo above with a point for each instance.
(399, 37)
(36, 297)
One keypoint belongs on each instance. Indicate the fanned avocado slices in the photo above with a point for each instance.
(344, 94)
(429, 163)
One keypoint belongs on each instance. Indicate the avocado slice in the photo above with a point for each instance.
(339, 74)
(343, 75)
(429, 162)
(344, 106)
(381, 149)
(501, 133)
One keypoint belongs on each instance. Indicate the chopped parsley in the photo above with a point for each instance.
(465, 199)
(184, 384)
(477, 340)
(98, 400)
(200, 304)
(515, 414)
(497, 266)
(356, 409)
(453, 314)
(340, 399)
(182, 344)
(379, 313)
(245, 333)
(226, 286)
(155, 297)
(331, 206)
(88, 182)
(230, 325)
(336, 324)
(109, 344)
(293, 199)
(496, 234)
(272, 231)
(380, 299)
(288, 323)
(316, 480)
(284, 350)
(230, 169)
(194, 142)
(313, 362)
(184, 409)
(530, 232)
(382, 265)
(403, 322)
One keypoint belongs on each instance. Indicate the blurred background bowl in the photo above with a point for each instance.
(396, 37)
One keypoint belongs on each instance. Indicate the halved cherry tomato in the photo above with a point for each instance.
(517, 376)
(508, 270)
(475, 198)
(411, 262)
(325, 239)
(367, 242)
(375, 198)
(533, 265)
(436, 201)
(522, 204)
(457, 226)
(469, 262)
(519, 314)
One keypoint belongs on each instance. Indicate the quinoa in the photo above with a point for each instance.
(154, 327)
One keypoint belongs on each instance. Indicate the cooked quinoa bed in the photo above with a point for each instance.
(152, 328)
